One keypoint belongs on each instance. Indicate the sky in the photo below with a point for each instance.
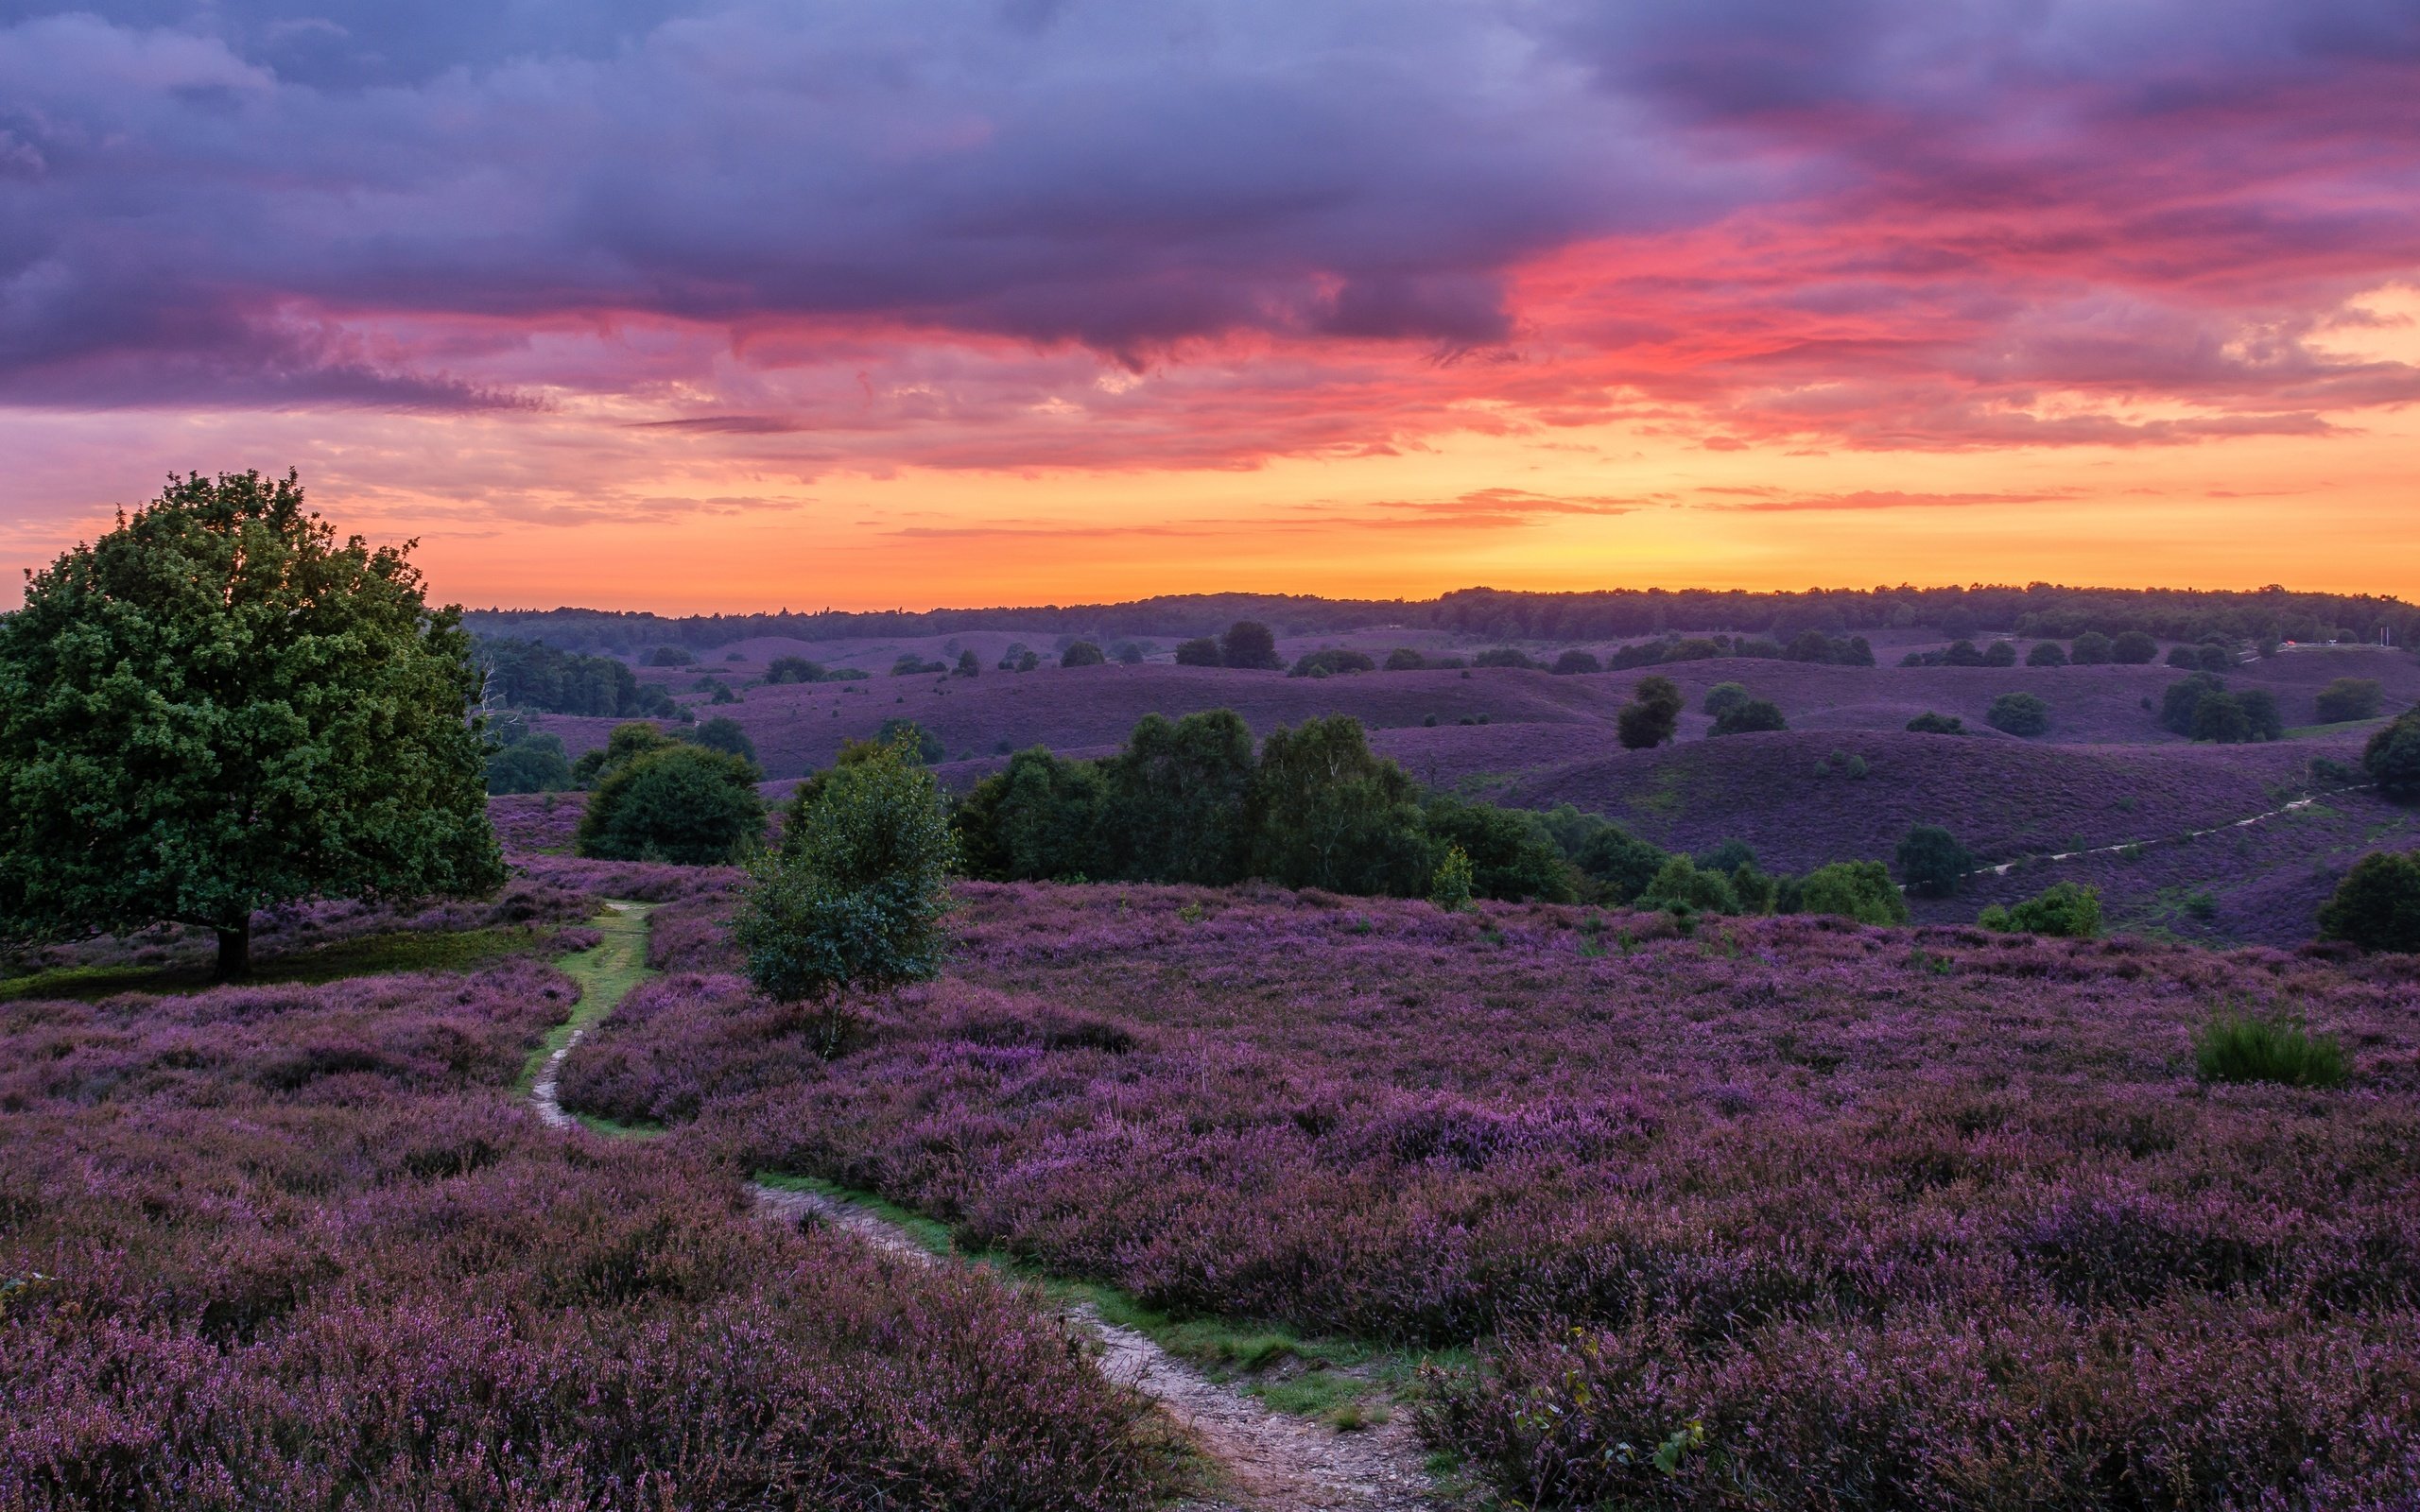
(862, 304)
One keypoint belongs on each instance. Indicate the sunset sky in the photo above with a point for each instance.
(651, 303)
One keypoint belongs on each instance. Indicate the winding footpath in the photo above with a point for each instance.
(1270, 1462)
(2189, 836)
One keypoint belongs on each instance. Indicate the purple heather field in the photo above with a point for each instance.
(1872, 1218)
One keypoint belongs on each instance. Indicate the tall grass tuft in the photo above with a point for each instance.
(2238, 1047)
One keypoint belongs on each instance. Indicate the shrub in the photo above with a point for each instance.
(2047, 654)
(2262, 718)
(1680, 887)
(1929, 723)
(2018, 714)
(679, 804)
(2182, 699)
(1932, 862)
(1503, 656)
(911, 665)
(1202, 651)
(1962, 654)
(725, 735)
(2092, 649)
(625, 744)
(1176, 795)
(1404, 659)
(670, 656)
(533, 763)
(1331, 662)
(1016, 652)
(1723, 696)
(2221, 718)
(2132, 649)
(2346, 699)
(968, 665)
(1249, 643)
(854, 898)
(2000, 654)
(1617, 863)
(1755, 715)
(921, 744)
(1861, 890)
(1575, 661)
(1083, 654)
(2244, 1048)
(2377, 905)
(1128, 654)
(1842, 764)
(1448, 663)
(2211, 657)
(1652, 716)
(1450, 889)
(784, 669)
(1028, 661)
(2066, 910)
(2185, 657)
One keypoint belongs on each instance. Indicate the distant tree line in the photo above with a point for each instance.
(2035, 610)
(532, 675)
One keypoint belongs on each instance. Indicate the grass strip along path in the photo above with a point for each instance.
(1268, 1459)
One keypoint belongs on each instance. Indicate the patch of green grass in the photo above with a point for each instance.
(2239, 1047)
(364, 956)
(2348, 726)
(606, 973)
(1663, 799)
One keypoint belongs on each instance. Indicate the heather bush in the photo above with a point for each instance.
(1842, 764)
(1929, 723)
(679, 804)
(1932, 862)
(1083, 654)
(2018, 714)
(2392, 757)
(2377, 905)
(2047, 654)
(2242, 1047)
(1755, 715)
(2065, 910)
(2346, 699)
(1861, 890)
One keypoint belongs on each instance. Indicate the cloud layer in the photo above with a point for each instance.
(1073, 234)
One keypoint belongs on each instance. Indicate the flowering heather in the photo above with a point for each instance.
(1897, 1218)
(302, 1247)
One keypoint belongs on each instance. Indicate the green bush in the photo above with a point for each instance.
(670, 656)
(2132, 649)
(2377, 905)
(1404, 659)
(2346, 699)
(1083, 654)
(854, 899)
(1617, 865)
(2392, 757)
(2047, 654)
(1249, 643)
(1929, 723)
(784, 669)
(926, 746)
(1679, 887)
(1932, 862)
(1175, 799)
(533, 763)
(1723, 698)
(1511, 853)
(2182, 701)
(2221, 718)
(2092, 649)
(2066, 910)
(625, 744)
(1652, 716)
(1323, 812)
(2018, 714)
(1861, 890)
(1503, 656)
(725, 735)
(2000, 654)
(1203, 651)
(1044, 819)
(675, 802)
(1331, 662)
(968, 667)
(1575, 661)
(1450, 889)
(1755, 717)
(2242, 1048)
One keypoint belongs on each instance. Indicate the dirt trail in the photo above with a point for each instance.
(2298, 804)
(1273, 1463)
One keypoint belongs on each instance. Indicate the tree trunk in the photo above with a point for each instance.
(235, 951)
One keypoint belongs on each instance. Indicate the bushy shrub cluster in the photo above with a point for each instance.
(2346, 699)
(1929, 723)
(788, 669)
(1502, 655)
(2047, 654)
(1328, 663)
(1810, 646)
(1755, 716)
(1576, 663)
(2207, 656)
(2200, 707)
(2018, 714)
(1083, 654)
(1652, 716)
(2377, 905)
(2064, 910)
(2392, 757)
(656, 798)
(2245, 1047)
(1932, 862)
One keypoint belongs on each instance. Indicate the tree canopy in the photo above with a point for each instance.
(218, 706)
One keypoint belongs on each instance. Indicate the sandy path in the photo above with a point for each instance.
(1273, 1463)
(2296, 806)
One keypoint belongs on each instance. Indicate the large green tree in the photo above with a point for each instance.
(218, 706)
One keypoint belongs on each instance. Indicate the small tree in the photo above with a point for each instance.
(1249, 643)
(854, 901)
(968, 664)
(2377, 905)
(1323, 812)
(2047, 654)
(680, 803)
(217, 707)
(1755, 717)
(1680, 887)
(1404, 659)
(1861, 890)
(1203, 651)
(2132, 649)
(2066, 909)
(1932, 862)
(725, 735)
(1723, 696)
(1083, 654)
(2182, 699)
(1450, 889)
(2000, 654)
(2092, 649)
(1652, 716)
(533, 763)
(2392, 757)
(2018, 714)
(784, 669)
(921, 743)
(2346, 699)
(1128, 654)
(1575, 661)
(1929, 723)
